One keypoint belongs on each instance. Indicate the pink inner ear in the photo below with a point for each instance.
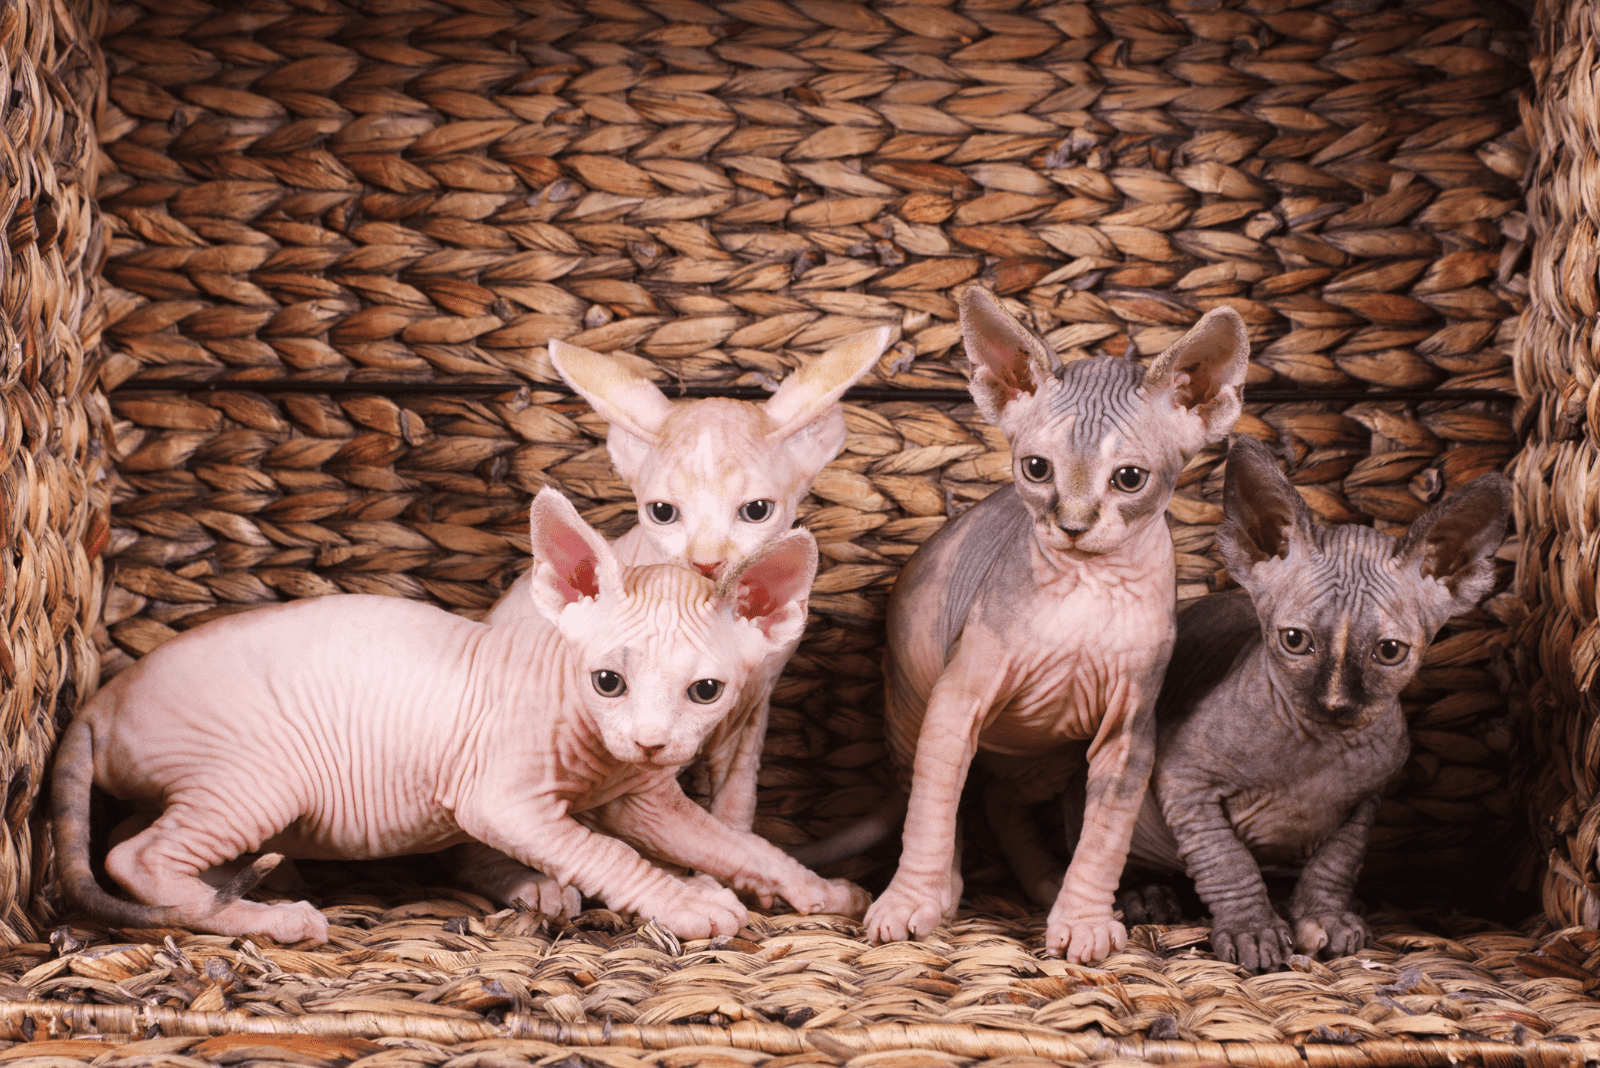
(755, 600)
(574, 561)
(584, 578)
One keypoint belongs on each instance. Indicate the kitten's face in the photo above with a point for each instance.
(1347, 612)
(664, 649)
(664, 660)
(1342, 623)
(1097, 445)
(1095, 456)
(713, 487)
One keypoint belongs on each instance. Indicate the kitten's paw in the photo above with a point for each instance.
(1335, 934)
(845, 898)
(1257, 942)
(705, 882)
(284, 922)
(902, 913)
(1083, 939)
(694, 911)
(1152, 903)
(816, 894)
(545, 896)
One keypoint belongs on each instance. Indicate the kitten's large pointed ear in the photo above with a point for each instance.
(773, 587)
(1008, 361)
(571, 560)
(815, 386)
(1264, 516)
(1204, 370)
(627, 400)
(1454, 542)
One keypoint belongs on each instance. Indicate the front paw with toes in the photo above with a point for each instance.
(545, 896)
(1334, 933)
(695, 911)
(1256, 941)
(838, 896)
(903, 912)
(1083, 939)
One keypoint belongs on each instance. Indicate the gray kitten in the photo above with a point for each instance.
(1279, 721)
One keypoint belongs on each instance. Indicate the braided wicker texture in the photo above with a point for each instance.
(52, 517)
(391, 200)
(440, 972)
(1559, 644)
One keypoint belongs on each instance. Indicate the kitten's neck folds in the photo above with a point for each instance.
(1146, 555)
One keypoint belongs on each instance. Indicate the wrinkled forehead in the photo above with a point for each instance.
(670, 590)
(660, 613)
(1352, 575)
(712, 441)
(1096, 398)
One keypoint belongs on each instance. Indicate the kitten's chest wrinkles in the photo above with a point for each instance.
(1286, 781)
(1081, 636)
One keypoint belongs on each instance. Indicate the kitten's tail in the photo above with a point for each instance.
(858, 837)
(69, 820)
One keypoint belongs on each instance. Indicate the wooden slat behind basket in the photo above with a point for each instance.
(52, 516)
(1558, 646)
(718, 190)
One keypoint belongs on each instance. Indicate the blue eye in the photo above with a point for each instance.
(662, 512)
(755, 511)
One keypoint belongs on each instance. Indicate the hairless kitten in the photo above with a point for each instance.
(1280, 721)
(1032, 631)
(356, 727)
(715, 480)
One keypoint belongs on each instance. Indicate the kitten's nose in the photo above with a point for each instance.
(1071, 530)
(650, 751)
(1341, 712)
(711, 570)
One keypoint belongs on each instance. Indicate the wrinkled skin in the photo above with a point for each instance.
(1031, 633)
(356, 727)
(708, 461)
(1280, 723)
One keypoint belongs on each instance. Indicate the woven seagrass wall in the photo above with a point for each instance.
(1558, 646)
(52, 515)
(330, 224)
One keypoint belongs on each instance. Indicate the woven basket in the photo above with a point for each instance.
(1558, 646)
(341, 235)
(53, 519)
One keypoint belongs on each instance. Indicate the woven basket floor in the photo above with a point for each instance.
(341, 235)
(439, 970)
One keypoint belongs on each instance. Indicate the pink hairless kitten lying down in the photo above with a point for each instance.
(715, 480)
(357, 727)
(1031, 632)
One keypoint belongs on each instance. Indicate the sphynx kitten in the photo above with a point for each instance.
(1280, 721)
(715, 481)
(1037, 625)
(357, 727)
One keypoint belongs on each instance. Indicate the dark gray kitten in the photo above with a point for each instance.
(1279, 721)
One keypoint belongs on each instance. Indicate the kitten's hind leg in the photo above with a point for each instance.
(1149, 902)
(1035, 864)
(161, 866)
(500, 878)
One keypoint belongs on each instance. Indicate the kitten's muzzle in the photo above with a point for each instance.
(1341, 714)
